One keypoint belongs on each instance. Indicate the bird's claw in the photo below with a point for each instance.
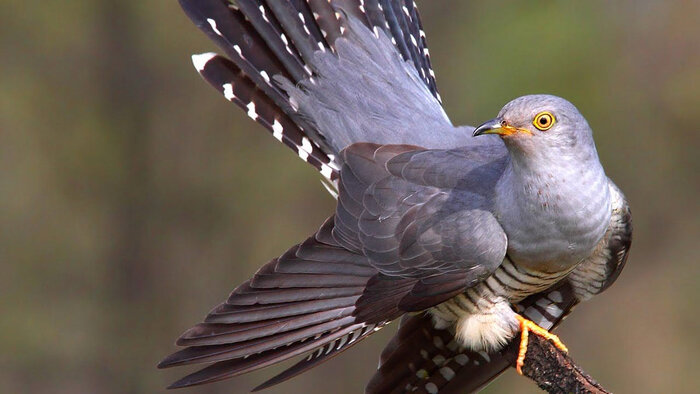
(525, 327)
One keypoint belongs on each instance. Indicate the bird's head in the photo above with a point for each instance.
(538, 124)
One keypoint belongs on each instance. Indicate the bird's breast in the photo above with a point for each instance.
(554, 222)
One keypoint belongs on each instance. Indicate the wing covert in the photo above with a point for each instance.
(428, 242)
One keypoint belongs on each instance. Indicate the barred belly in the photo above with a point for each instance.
(482, 316)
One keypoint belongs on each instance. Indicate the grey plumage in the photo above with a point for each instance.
(428, 217)
(388, 110)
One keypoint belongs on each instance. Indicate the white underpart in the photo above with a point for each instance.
(489, 330)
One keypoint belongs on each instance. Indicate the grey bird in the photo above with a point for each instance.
(471, 234)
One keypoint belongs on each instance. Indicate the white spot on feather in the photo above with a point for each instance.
(485, 356)
(447, 373)
(228, 92)
(554, 310)
(306, 145)
(200, 60)
(555, 296)
(277, 130)
(238, 51)
(326, 171)
(302, 154)
(251, 111)
(461, 359)
(543, 302)
(212, 23)
(264, 15)
(534, 315)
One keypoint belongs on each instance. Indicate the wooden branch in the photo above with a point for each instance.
(552, 369)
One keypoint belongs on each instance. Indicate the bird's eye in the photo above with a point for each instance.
(543, 121)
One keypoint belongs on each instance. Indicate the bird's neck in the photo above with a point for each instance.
(553, 207)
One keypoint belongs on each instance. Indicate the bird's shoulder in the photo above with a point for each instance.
(419, 212)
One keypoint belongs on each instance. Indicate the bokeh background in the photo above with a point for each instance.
(133, 198)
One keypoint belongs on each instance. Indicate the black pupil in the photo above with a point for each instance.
(543, 120)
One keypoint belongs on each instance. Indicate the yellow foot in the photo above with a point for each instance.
(525, 327)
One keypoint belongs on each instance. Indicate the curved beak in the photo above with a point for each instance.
(492, 126)
(497, 126)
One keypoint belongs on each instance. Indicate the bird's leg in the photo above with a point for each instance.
(525, 327)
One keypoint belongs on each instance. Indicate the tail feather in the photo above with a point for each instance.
(296, 28)
(237, 87)
(399, 30)
(417, 38)
(326, 21)
(306, 15)
(228, 28)
(352, 8)
(266, 25)
(422, 358)
(265, 39)
(396, 370)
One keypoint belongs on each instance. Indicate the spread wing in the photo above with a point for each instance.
(423, 219)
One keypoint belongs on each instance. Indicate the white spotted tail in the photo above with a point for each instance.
(265, 39)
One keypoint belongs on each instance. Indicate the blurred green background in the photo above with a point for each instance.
(133, 198)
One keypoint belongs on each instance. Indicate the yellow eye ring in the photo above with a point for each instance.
(544, 121)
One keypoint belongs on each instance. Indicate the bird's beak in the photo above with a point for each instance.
(497, 126)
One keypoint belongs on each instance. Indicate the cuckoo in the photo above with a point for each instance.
(472, 235)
